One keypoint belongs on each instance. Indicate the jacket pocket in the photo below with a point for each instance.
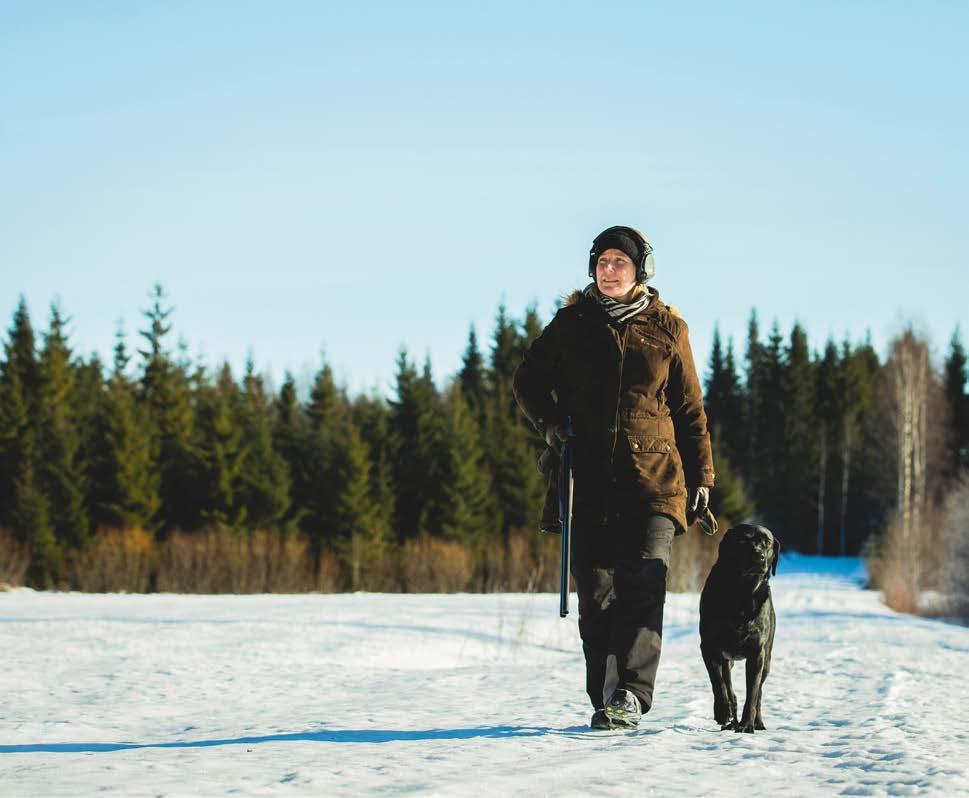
(656, 464)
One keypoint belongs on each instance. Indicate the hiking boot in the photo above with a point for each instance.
(623, 710)
(600, 720)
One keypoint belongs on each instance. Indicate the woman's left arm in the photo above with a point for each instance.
(685, 398)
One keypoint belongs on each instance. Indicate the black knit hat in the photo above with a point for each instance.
(629, 241)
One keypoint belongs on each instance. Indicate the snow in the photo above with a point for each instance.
(378, 694)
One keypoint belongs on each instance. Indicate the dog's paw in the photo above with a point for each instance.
(759, 725)
(746, 728)
(729, 725)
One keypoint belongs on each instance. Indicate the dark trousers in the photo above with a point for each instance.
(620, 573)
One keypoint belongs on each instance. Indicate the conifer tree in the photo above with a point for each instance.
(506, 349)
(828, 400)
(958, 403)
(531, 328)
(290, 436)
(265, 474)
(165, 389)
(518, 484)
(360, 534)
(863, 507)
(18, 392)
(372, 417)
(326, 413)
(126, 482)
(31, 519)
(61, 470)
(472, 376)
(469, 514)
(798, 454)
(754, 387)
(728, 498)
(767, 413)
(723, 400)
(224, 453)
(414, 425)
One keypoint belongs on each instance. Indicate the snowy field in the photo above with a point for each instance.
(462, 695)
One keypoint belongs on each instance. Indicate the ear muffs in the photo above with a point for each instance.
(645, 269)
(776, 557)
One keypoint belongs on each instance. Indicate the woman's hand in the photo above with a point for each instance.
(555, 436)
(697, 502)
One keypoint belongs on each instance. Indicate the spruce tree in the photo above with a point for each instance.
(728, 498)
(18, 392)
(754, 388)
(60, 468)
(958, 404)
(798, 455)
(358, 528)
(723, 400)
(166, 391)
(506, 349)
(414, 426)
(326, 413)
(31, 520)
(126, 482)
(224, 452)
(512, 451)
(265, 475)
(472, 376)
(863, 509)
(290, 437)
(372, 417)
(469, 514)
(828, 403)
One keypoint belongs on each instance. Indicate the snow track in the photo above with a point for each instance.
(463, 695)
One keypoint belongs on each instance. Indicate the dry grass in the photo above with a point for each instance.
(115, 561)
(904, 566)
(223, 561)
(220, 560)
(14, 560)
(429, 565)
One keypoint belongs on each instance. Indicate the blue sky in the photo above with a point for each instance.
(359, 177)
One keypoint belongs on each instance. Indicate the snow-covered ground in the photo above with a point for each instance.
(462, 695)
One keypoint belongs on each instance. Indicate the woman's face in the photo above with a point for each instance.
(616, 274)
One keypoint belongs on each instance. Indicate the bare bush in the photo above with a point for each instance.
(219, 560)
(14, 559)
(955, 570)
(436, 566)
(906, 562)
(329, 573)
(115, 561)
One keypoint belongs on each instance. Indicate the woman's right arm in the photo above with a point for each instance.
(538, 375)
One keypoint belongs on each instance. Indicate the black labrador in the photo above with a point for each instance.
(737, 621)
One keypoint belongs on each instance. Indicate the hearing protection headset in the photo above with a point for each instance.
(646, 267)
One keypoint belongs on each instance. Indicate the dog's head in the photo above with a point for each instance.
(750, 549)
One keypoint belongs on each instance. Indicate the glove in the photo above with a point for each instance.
(697, 502)
(706, 523)
(555, 436)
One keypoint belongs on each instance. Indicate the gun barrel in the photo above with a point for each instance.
(565, 512)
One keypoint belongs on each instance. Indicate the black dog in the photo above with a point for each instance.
(737, 621)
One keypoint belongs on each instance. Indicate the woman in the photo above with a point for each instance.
(617, 361)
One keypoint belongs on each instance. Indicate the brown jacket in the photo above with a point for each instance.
(636, 407)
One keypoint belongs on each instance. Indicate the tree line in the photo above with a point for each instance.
(165, 445)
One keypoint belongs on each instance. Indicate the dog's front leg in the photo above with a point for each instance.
(755, 672)
(717, 668)
(731, 695)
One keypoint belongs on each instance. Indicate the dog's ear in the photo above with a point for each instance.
(777, 555)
